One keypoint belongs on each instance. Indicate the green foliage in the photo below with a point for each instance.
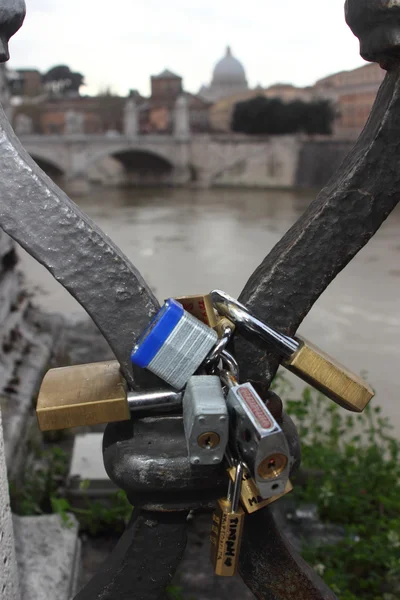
(359, 489)
(174, 592)
(272, 116)
(43, 475)
(42, 492)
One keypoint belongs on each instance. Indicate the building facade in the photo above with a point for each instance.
(353, 94)
(157, 112)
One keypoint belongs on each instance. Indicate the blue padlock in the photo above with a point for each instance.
(174, 345)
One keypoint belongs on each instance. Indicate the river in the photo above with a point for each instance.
(191, 241)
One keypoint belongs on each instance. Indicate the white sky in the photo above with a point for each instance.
(120, 43)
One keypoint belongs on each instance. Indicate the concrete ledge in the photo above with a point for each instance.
(48, 557)
(87, 465)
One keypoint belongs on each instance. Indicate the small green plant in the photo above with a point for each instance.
(97, 517)
(359, 489)
(42, 492)
(174, 592)
(44, 472)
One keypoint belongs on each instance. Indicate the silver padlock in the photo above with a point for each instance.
(174, 345)
(259, 440)
(205, 419)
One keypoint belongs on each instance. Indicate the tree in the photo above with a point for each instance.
(261, 115)
(60, 80)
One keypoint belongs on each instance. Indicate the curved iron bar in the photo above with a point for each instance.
(143, 561)
(52, 228)
(12, 15)
(271, 568)
(282, 290)
(345, 215)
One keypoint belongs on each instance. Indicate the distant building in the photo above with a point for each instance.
(157, 113)
(228, 78)
(92, 115)
(26, 83)
(353, 93)
(5, 91)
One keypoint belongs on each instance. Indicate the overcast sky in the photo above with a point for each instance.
(120, 43)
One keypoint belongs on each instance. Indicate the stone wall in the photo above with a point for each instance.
(9, 589)
(318, 160)
(245, 161)
(26, 340)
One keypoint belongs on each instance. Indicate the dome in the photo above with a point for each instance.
(229, 71)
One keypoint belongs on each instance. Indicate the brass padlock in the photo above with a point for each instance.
(250, 497)
(304, 359)
(82, 395)
(200, 307)
(328, 376)
(227, 529)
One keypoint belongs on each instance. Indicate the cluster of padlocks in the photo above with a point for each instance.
(186, 346)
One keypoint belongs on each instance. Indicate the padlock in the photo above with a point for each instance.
(174, 345)
(224, 327)
(93, 394)
(250, 497)
(200, 307)
(259, 440)
(227, 529)
(300, 357)
(205, 419)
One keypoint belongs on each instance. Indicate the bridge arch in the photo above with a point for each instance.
(137, 166)
(123, 152)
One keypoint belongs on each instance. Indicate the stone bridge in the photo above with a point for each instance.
(202, 160)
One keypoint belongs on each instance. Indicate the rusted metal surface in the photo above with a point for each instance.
(271, 568)
(144, 560)
(377, 24)
(342, 219)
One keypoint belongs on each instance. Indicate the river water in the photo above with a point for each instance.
(191, 241)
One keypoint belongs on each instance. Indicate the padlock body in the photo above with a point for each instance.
(259, 440)
(174, 345)
(82, 395)
(250, 497)
(226, 537)
(329, 377)
(205, 418)
(200, 307)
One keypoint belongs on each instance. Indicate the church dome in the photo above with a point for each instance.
(229, 71)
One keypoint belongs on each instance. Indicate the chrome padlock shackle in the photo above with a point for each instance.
(245, 321)
(231, 366)
(301, 357)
